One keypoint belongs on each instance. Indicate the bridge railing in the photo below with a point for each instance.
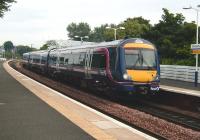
(176, 72)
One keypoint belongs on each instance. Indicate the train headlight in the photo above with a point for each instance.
(127, 77)
(156, 78)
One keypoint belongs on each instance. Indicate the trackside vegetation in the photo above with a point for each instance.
(172, 35)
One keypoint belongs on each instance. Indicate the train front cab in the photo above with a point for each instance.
(25, 60)
(140, 67)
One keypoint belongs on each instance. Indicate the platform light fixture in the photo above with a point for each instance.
(81, 37)
(115, 30)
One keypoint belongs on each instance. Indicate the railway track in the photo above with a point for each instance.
(126, 113)
(172, 116)
(184, 118)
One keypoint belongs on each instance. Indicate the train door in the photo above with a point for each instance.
(88, 61)
(40, 62)
(57, 59)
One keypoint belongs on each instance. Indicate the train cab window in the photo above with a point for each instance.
(112, 54)
(98, 61)
(140, 59)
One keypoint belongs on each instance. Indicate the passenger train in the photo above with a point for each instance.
(129, 65)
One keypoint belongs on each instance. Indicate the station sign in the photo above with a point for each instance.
(195, 51)
(195, 48)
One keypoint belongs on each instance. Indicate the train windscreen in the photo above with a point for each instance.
(140, 59)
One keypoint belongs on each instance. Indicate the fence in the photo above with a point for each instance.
(175, 72)
(2, 59)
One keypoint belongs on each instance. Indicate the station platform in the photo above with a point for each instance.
(23, 116)
(181, 87)
(30, 110)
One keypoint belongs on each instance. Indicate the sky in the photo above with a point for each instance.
(36, 21)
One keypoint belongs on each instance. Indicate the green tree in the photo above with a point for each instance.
(82, 29)
(98, 34)
(48, 44)
(135, 27)
(173, 37)
(8, 46)
(44, 47)
(20, 49)
(51, 43)
(4, 6)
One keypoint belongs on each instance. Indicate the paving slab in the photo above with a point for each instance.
(180, 87)
(180, 84)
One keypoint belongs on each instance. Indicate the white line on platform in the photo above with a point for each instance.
(181, 90)
(24, 79)
(95, 111)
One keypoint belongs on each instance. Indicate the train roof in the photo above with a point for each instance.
(98, 45)
(109, 44)
(39, 52)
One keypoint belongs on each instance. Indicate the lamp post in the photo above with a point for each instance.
(81, 37)
(197, 33)
(115, 30)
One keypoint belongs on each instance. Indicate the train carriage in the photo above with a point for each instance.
(129, 65)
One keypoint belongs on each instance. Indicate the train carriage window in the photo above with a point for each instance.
(76, 59)
(65, 57)
(70, 59)
(82, 59)
(43, 58)
(54, 59)
(98, 60)
(43, 61)
(66, 61)
(61, 61)
(50, 60)
(36, 59)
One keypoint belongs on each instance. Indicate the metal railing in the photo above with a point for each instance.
(176, 72)
(2, 59)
